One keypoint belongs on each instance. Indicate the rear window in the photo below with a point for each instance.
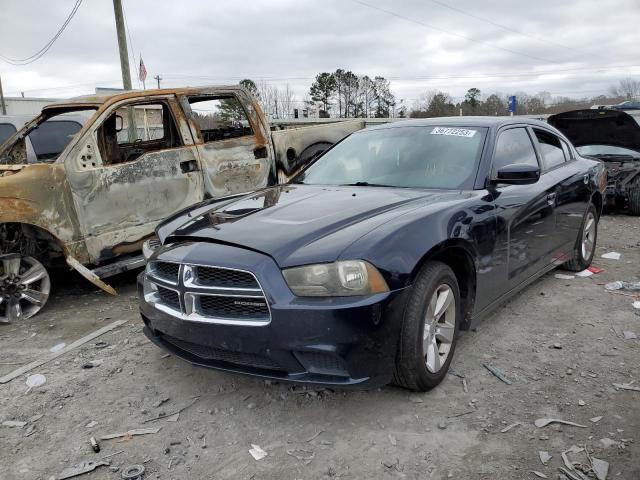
(6, 130)
(52, 137)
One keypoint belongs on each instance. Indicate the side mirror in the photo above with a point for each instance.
(518, 174)
(119, 123)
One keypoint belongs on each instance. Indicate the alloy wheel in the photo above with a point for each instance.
(439, 328)
(588, 236)
(24, 287)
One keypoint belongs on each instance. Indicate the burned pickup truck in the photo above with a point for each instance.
(140, 157)
(613, 137)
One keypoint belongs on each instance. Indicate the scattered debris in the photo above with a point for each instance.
(584, 273)
(173, 418)
(94, 444)
(91, 424)
(544, 457)
(636, 304)
(538, 474)
(562, 276)
(161, 402)
(36, 380)
(464, 385)
(303, 455)
(497, 373)
(131, 433)
(595, 270)
(416, 398)
(58, 347)
(80, 468)
(627, 386)
(557, 346)
(442, 425)
(507, 428)
(314, 436)
(257, 453)
(543, 422)
(600, 468)
(596, 419)
(13, 424)
(460, 414)
(93, 363)
(611, 255)
(629, 335)
(113, 454)
(133, 472)
(581, 403)
(393, 440)
(165, 415)
(608, 442)
(620, 285)
(26, 368)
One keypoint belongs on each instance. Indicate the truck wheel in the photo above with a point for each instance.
(634, 199)
(429, 329)
(586, 242)
(24, 287)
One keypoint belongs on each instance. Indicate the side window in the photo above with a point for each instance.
(513, 146)
(552, 153)
(6, 130)
(51, 138)
(219, 118)
(132, 131)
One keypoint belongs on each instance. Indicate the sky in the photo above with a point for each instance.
(574, 48)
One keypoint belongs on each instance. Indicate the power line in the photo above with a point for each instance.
(459, 35)
(48, 45)
(509, 29)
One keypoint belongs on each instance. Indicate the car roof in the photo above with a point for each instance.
(464, 121)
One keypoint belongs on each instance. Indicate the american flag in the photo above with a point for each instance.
(142, 72)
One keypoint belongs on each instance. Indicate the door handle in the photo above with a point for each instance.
(585, 179)
(188, 166)
(260, 152)
(551, 199)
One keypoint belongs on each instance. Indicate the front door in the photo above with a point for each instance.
(129, 172)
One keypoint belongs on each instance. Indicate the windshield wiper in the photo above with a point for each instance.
(364, 184)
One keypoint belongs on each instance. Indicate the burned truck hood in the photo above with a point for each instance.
(297, 224)
(598, 127)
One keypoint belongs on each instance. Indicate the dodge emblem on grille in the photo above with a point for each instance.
(248, 304)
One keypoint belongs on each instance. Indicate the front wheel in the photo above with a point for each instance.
(586, 242)
(24, 287)
(634, 198)
(429, 328)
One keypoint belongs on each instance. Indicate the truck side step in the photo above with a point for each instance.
(123, 265)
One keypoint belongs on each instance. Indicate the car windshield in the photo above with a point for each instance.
(409, 156)
(606, 150)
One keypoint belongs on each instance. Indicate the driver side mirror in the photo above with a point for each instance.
(517, 174)
(119, 123)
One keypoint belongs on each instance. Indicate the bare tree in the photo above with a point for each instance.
(628, 88)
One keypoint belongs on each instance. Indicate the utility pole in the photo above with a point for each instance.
(124, 64)
(158, 78)
(4, 107)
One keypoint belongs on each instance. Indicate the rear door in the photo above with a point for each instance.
(134, 167)
(232, 140)
(526, 212)
(572, 193)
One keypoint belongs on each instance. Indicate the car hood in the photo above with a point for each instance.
(598, 127)
(298, 224)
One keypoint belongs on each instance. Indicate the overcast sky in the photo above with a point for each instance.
(575, 48)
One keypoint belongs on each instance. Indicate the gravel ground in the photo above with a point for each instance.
(560, 342)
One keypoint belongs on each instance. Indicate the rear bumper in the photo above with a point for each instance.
(334, 341)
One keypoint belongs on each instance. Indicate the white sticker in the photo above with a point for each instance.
(456, 132)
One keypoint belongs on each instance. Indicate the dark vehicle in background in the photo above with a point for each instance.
(364, 267)
(613, 137)
(628, 105)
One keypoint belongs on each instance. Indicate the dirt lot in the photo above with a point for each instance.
(386, 433)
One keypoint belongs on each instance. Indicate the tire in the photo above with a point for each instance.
(416, 356)
(24, 287)
(634, 199)
(582, 257)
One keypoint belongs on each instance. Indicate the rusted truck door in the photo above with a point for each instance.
(134, 167)
(232, 139)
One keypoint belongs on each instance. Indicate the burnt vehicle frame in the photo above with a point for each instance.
(94, 204)
(479, 243)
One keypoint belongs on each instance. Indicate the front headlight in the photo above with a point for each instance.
(149, 246)
(339, 279)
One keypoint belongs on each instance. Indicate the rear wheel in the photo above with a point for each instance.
(24, 287)
(429, 329)
(586, 242)
(634, 198)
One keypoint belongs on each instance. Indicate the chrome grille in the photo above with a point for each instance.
(207, 294)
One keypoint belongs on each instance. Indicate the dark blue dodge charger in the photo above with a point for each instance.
(363, 268)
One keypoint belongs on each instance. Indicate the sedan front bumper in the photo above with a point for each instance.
(337, 341)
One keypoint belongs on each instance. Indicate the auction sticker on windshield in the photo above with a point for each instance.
(456, 132)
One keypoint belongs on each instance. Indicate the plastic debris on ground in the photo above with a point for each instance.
(600, 468)
(627, 386)
(636, 304)
(629, 335)
(256, 452)
(131, 433)
(36, 380)
(596, 419)
(538, 474)
(620, 285)
(497, 373)
(611, 255)
(509, 427)
(544, 457)
(13, 424)
(543, 422)
(562, 276)
(80, 468)
(584, 273)
(58, 347)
